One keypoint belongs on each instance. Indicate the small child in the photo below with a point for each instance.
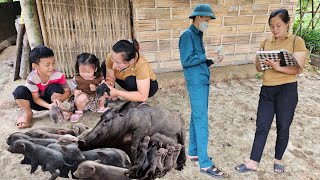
(84, 84)
(44, 87)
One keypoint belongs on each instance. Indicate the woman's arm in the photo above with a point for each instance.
(258, 65)
(141, 95)
(110, 77)
(300, 56)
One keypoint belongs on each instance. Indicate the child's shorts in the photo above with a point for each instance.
(22, 92)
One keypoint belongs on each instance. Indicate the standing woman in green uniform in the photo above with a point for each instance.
(197, 75)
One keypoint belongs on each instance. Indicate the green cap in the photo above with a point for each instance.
(202, 10)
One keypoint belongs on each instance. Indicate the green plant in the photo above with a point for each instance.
(311, 35)
(312, 40)
(258, 75)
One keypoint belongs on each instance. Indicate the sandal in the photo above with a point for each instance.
(242, 168)
(102, 110)
(213, 172)
(22, 122)
(278, 168)
(76, 116)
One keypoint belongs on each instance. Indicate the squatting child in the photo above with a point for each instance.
(44, 86)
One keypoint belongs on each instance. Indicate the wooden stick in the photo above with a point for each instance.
(19, 45)
(25, 65)
(29, 12)
(42, 22)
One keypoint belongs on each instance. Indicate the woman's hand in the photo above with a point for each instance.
(113, 91)
(274, 64)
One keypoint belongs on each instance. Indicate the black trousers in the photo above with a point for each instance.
(281, 101)
(130, 84)
(22, 92)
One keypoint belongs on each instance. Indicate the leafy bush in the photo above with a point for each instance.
(312, 37)
(312, 40)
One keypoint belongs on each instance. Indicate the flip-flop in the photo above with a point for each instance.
(278, 167)
(21, 120)
(102, 110)
(242, 168)
(76, 116)
(213, 173)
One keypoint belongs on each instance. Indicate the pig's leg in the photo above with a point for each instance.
(54, 174)
(137, 135)
(34, 167)
(25, 160)
(143, 148)
(176, 153)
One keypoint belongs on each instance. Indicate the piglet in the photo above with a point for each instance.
(101, 89)
(38, 133)
(18, 135)
(96, 171)
(108, 156)
(71, 154)
(56, 130)
(49, 159)
(67, 139)
(56, 113)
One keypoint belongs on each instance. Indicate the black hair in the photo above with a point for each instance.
(127, 48)
(39, 52)
(88, 59)
(282, 13)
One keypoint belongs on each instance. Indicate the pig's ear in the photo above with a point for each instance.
(28, 134)
(23, 146)
(64, 148)
(43, 135)
(93, 169)
(97, 161)
(80, 142)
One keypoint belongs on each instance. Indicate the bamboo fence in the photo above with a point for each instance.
(71, 27)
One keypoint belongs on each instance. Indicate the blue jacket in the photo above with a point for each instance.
(193, 57)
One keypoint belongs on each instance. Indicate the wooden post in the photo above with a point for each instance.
(42, 22)
(19, 44)
(30, 14)
(25, 62)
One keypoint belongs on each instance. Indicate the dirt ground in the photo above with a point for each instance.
(232, 112)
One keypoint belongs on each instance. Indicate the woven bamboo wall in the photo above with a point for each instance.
(240, 27)
(76, 26)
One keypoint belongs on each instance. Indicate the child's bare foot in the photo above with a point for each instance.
(24, 121)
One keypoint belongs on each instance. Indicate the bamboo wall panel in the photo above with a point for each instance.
(77, 26)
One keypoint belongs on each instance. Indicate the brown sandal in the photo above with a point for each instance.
(22, 123)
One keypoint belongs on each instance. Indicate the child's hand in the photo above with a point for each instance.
(92, 87)
(77, 93)
(57, 102)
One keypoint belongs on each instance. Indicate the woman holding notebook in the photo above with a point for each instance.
(278, 95)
